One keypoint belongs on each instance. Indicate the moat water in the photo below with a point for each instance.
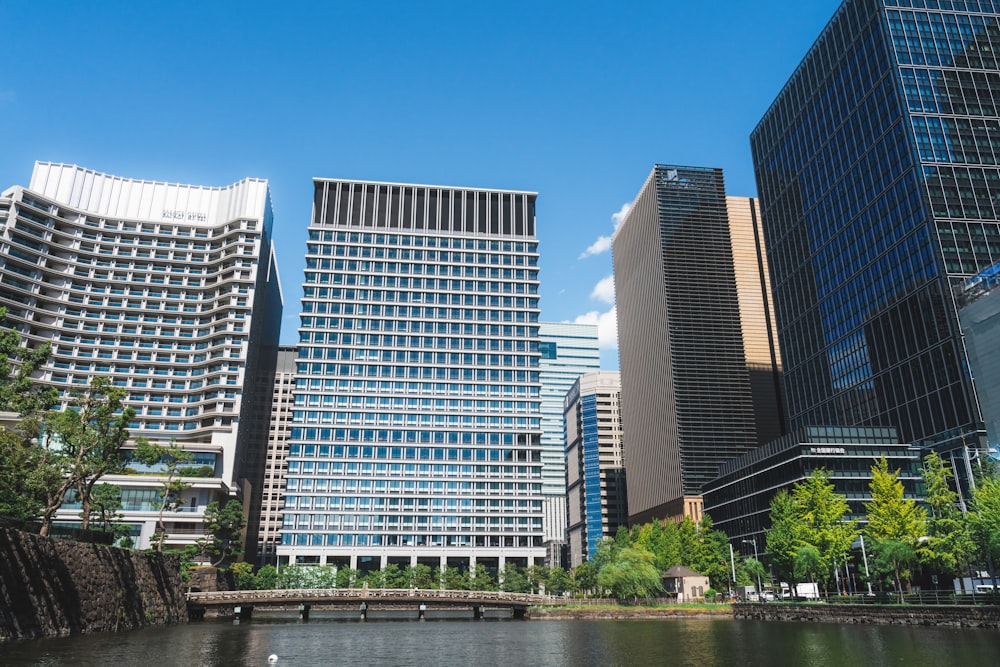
(339, 642)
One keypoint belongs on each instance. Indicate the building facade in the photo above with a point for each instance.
(170, 291)
(979, 314)
(416, 435)
(739, 500)
(597, 495)
(879, 179)
(278, 434)
(700, 370)
(566, 352)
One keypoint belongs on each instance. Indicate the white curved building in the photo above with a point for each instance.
(169, 290)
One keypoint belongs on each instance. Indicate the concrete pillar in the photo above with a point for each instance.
(304, 612)
(364, 611)
(421, 611)
(354, 562)
(383, 561)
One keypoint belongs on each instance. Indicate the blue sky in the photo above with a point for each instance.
(573, 100)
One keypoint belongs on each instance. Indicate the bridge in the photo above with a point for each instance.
(240, 604)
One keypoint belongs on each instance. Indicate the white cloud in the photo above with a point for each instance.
(604, 290)
(620, 215)
(607, 326)
(603, 243)
(598, 247)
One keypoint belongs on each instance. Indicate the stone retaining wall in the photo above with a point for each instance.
(967, 617)
(626, 613)
(51, 587)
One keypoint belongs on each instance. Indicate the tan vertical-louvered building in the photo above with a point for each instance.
(699, 362)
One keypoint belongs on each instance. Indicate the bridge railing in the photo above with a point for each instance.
(362, 594)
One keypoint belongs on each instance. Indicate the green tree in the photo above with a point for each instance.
(984, 517)
(559, 581)
(421, 576)
(949, 546)
(81, 444)
(711, 555)
(514, 580)
(892, 516)
(224, 538)
(892, 557)
(243, 573)
(482, 580)
(98, 423)
(23, 479)
(19, 392)
(374, 579)
(106, 505)
(172, 457)
(453, 579)
(584, 578)
(346, 577)
(631, 574)
(755, 571)
(807, 563)
(395, 576)
(22, 493)
(895, 524)
(266, 578)
(785, 535)
(293, 577)
(664, 542)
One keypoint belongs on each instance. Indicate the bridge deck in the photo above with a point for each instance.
(368, 595)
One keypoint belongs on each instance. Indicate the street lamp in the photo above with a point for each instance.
(753, 541)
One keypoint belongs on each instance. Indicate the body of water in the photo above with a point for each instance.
(500, 643)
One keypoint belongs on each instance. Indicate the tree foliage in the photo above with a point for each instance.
(631, 574)
(173, 458)
(812, 515)
(949, 546)
(892, 516)
(984, 517)
(892, 559)
(81, 444)
(19, 393)
(225, 525)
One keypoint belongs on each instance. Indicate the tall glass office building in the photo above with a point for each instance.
(878, 170)
(567, 352)
(170, 291)
(416, 427)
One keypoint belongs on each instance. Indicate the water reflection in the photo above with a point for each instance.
(498, 643)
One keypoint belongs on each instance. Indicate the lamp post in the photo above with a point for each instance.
(753, 541)
(864, 556)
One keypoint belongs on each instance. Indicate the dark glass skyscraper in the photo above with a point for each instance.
(878, 170)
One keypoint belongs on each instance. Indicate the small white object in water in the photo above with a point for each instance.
(271, 659)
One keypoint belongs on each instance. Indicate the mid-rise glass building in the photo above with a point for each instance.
(416, 435)
(878, 170)
(597, 496)
(567, 351)
(739, 499)
(170, 291)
